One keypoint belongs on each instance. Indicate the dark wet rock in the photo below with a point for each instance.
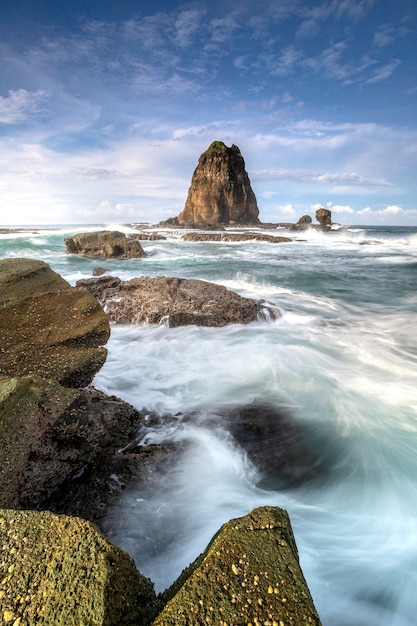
(53, 440)
(220, 191)
(48, 327)
(105, 243)
(275, 443)
(100, 285)
(244, 236)
(249, 574)
(177, 302)
(62, 571)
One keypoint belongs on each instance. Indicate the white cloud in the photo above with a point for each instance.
(384, 72)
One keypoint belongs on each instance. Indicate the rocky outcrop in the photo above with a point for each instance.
(48, 327)
(303, 223)
(249, 574)
(61, 571)
(108, 244)
(175, 301)
(324, 218)
(56, 443)
(220, 191)
(235, 237)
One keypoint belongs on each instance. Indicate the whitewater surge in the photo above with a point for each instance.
(340, 361)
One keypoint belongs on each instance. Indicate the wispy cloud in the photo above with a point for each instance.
(21, 105)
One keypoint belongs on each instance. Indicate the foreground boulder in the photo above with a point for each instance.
(249, 574)
(176, 301)
(220, 191)
(61, 571)
(105, 243)
(48, 327)
(57, 444)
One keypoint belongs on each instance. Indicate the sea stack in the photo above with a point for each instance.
(220, 191)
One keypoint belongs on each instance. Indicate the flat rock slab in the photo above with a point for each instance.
(105, 243)
(61, 571)
(249, 574)
(235, 237)
(175, 301)
(48, 327)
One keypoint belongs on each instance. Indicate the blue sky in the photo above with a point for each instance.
(105, 107)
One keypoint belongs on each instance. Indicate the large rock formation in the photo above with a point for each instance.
(220, 191)
(324, 218)
(48, 327)
(249, 574)
(105, 243)
(175, 301)
(61, 571)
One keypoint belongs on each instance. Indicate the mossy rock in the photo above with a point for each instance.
(249, 574)
(58, 570)
(48, 327)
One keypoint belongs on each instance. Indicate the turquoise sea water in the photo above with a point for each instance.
(341, 359)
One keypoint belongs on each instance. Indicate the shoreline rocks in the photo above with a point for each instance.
(48, 327)
(107, 244)
(72, 449)
(175, 301)
(248, 574)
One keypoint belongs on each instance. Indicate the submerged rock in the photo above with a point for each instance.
(249, 574)
(62, 571)
(275, 443)
(220, 191)
(176, 301)
(105, 243)
(48, 327)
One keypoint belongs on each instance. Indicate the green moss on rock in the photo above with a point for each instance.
(59, 570)
(249, 574)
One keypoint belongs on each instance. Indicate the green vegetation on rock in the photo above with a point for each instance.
(61, 571)
(249, 574)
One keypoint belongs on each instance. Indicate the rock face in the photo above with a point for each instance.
(175, 301)
(56, 442)
(249, 574)
(108, 244)
(61, 571)
(324, 218)
(48, 327)
(220, 191)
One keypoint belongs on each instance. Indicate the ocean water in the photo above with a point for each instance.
(341, 361)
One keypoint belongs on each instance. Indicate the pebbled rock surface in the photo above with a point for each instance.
(105, 243)
(62, 571)
(249, 574)
(176, 301)
(48, 327)
(220, 191)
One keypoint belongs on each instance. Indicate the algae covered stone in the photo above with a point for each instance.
(249, 574)
(61, 571)
(48, 327)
